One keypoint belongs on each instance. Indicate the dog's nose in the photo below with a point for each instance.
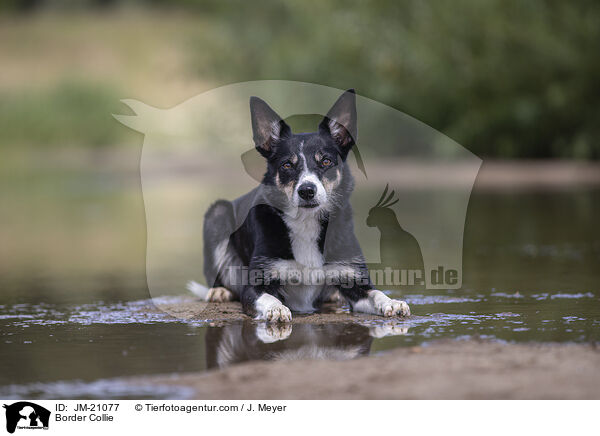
(306, 191)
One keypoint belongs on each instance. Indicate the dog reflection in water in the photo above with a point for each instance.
(249, 341)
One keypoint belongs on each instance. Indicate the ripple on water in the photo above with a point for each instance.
(545, 296)
(99, 389)
(24, 315)
(495, 316)
(441, 299)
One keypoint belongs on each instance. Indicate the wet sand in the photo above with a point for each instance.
(449, 369)
(224, 313)
(445, 370)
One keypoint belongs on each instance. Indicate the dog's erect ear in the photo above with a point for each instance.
(267, 127)
(340, 122)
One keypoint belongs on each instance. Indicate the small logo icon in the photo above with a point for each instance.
(26, 415)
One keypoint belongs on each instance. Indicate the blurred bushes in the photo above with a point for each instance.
(72, 114)
(504, 78)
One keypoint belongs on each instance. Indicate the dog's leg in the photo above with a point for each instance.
(355, 285)
(221, 262)
(357, 289)
(335, 297)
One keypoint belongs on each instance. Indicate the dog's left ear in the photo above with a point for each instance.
(340, 122)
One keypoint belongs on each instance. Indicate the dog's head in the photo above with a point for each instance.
(306, 170)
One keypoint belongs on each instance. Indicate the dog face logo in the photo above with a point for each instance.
(26, 415)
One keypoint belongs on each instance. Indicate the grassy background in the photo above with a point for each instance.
(507, 79)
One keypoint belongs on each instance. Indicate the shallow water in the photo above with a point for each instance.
(72, 285)
(62, 351)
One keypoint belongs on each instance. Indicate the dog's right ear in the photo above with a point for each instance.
(340, 122)
(267, 127)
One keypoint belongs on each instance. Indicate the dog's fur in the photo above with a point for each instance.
(294, 232)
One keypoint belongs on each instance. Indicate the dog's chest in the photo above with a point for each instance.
(304, 232)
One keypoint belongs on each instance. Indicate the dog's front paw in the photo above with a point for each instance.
(278, 313)
(378, 303)
(395, 308)
(271, 309)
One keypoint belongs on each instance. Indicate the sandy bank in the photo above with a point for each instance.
(189, 308)
(442, 370)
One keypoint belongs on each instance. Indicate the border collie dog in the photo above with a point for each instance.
(289, 245)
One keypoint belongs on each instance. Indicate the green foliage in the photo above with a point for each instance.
(503, 78)
(74, 113)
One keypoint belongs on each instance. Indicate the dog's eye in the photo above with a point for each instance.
(326, 162)
(287, 166)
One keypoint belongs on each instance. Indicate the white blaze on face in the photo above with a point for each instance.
(308, 177)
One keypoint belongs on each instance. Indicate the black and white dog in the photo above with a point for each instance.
(289, 244)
